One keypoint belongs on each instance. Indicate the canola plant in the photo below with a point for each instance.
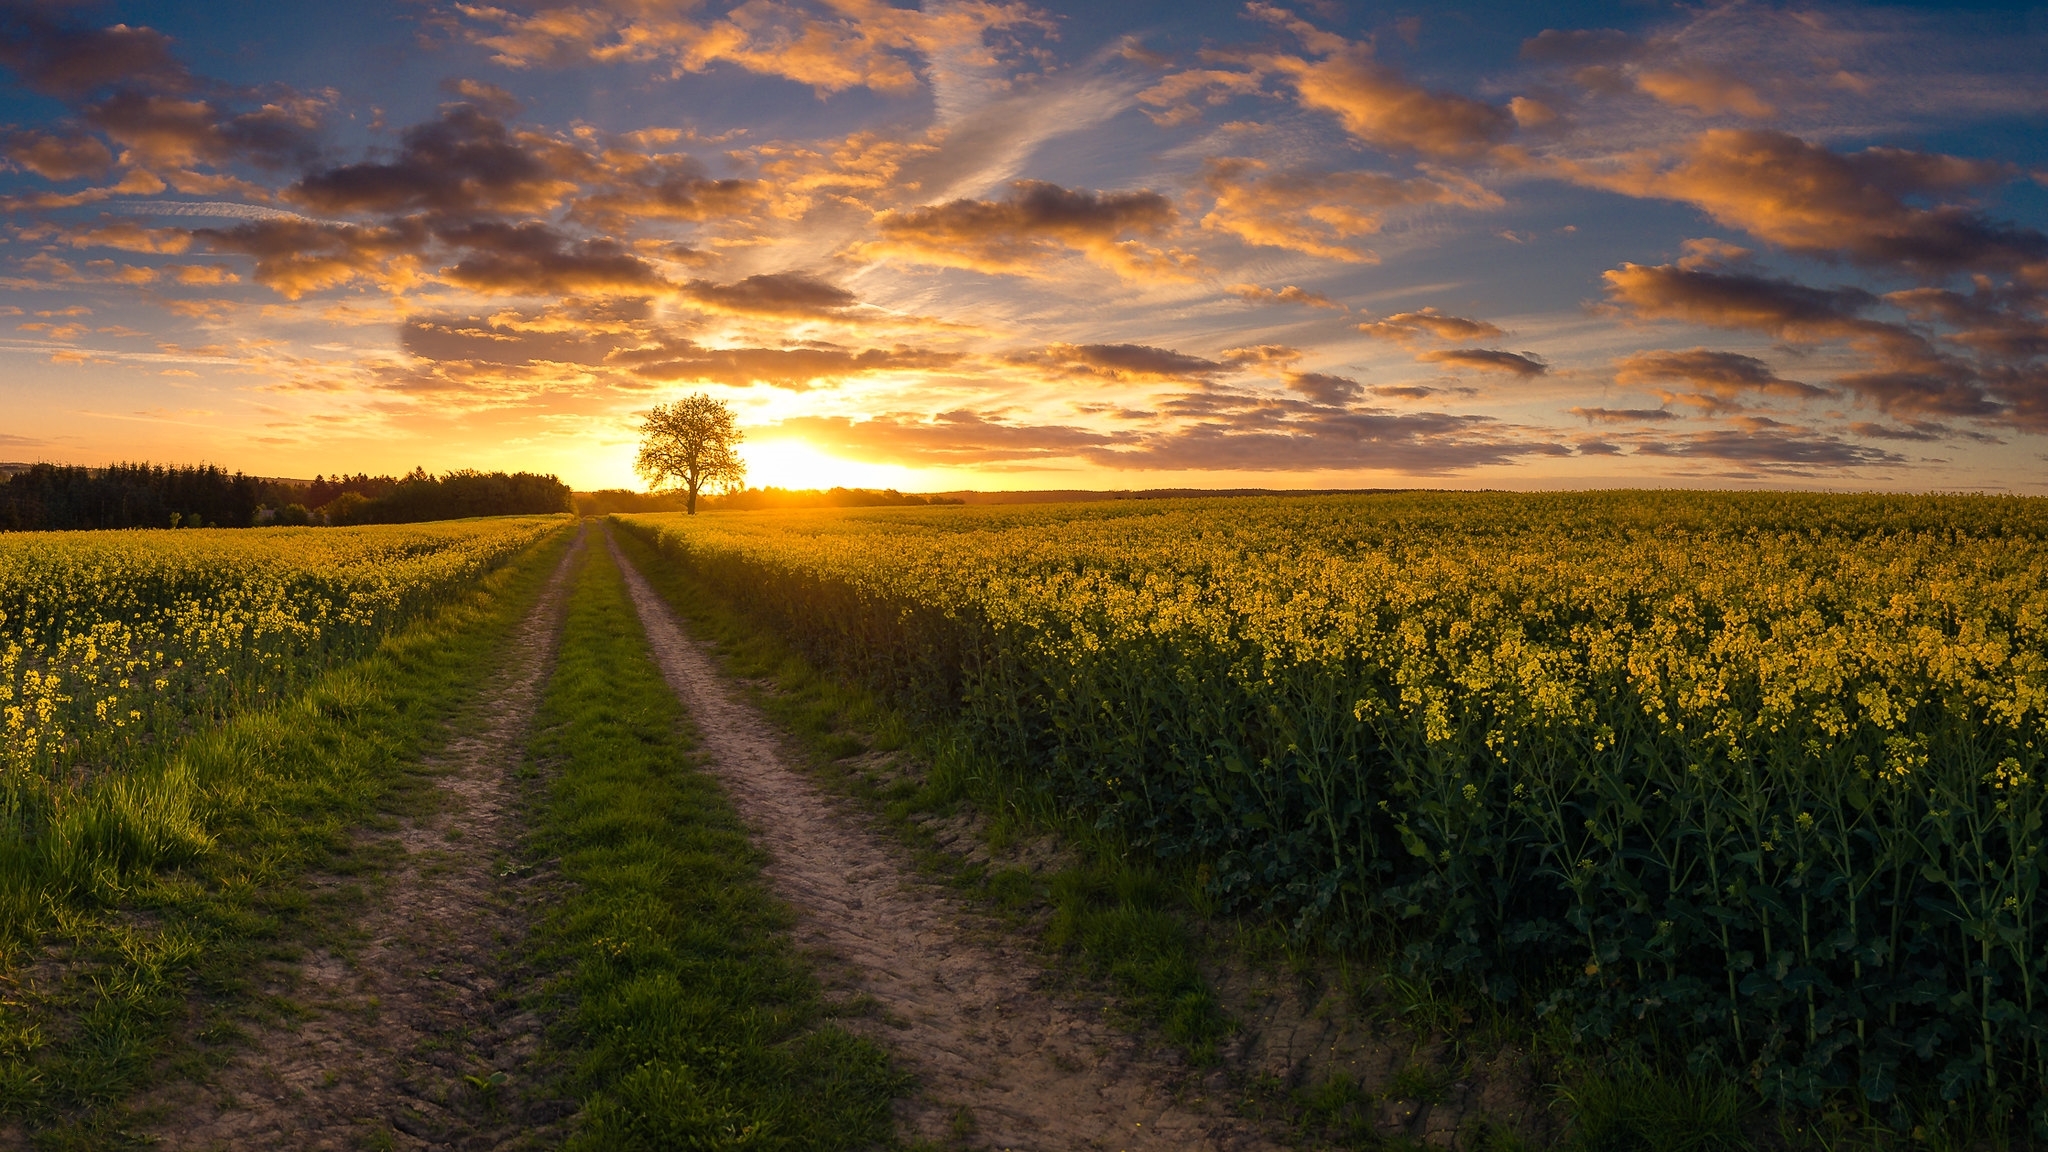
(1754, 778)
(114, 641)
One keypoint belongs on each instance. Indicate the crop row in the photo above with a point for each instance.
(1756, 779)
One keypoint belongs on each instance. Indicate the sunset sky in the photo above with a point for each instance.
(1012, 245)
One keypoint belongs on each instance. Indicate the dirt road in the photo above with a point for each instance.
(410, 1039)
(997, 1057)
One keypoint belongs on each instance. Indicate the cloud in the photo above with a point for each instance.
(797, 368)
(178, 131)
(1263, 354)
(1622, 415)
(74, 60)
(956, 438)
(1232, 431)
(1863, 206)
(1703, 88)
(1035, 225)
(1719, 379)
(1175, 95)
(636, 186)
(2006, 322)
(1485, 359)
(1739, 300)
(463, 163)
(58, 155)
(119, 234)
(1375, 103)
(1288, 295)
(850, 44)
(1908, 374)
(1322, 388)
(537, 260)
(1769, 447)
(583, 335)
(1317, 212)
(773, 294)
(296, 256)
(1406, 327)
(488, 98)
(1118, 362)
(1915, 433)
(1259, 432)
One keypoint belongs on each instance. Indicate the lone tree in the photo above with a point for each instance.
(693, 442)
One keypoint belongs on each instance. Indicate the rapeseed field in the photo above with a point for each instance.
(114, 644)
(1752, 781)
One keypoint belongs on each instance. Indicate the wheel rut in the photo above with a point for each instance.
(1001, 1061)
(413, 1040)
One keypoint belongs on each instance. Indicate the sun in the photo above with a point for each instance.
(792, 462)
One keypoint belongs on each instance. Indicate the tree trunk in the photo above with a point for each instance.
(690, 503)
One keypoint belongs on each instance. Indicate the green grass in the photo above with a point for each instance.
(685, 1018)
(1116, 917)
(143, 973)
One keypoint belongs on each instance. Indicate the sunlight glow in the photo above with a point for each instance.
(790, 462)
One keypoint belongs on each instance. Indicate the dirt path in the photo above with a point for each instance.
(1000, 1061)
(412, 1041)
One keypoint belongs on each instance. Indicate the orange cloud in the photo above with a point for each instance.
(1406, 327)
(1810, 199)
(1288, 295)
(129, 237)
(1705, 88)
(637, 186)
(1486, 360)
(1719, 379)
(58, 156)
(297, 256)
(1315, 213)
(850, 44)
(1175, 95)
(1375, 104)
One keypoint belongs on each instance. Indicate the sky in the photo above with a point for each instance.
(996, 245)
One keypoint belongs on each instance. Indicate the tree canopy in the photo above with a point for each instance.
(692, 444)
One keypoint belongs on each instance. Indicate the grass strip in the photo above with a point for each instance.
(119, 994)
(1121, 919)
(685, 1014)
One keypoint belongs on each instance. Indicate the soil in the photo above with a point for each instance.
(1002, 1063)
(415, 1038)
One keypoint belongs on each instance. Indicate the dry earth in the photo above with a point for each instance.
(414, 1039)
(997, 1057)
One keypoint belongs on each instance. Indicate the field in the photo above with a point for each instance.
(1750, 783)
(176, 740)
(1720, 814)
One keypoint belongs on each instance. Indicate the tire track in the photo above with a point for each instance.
(996, 1055)
(413, 1040)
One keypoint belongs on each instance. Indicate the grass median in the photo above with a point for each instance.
(685, 1018)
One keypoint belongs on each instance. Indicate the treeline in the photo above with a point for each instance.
(609, 500)
(51, 497)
